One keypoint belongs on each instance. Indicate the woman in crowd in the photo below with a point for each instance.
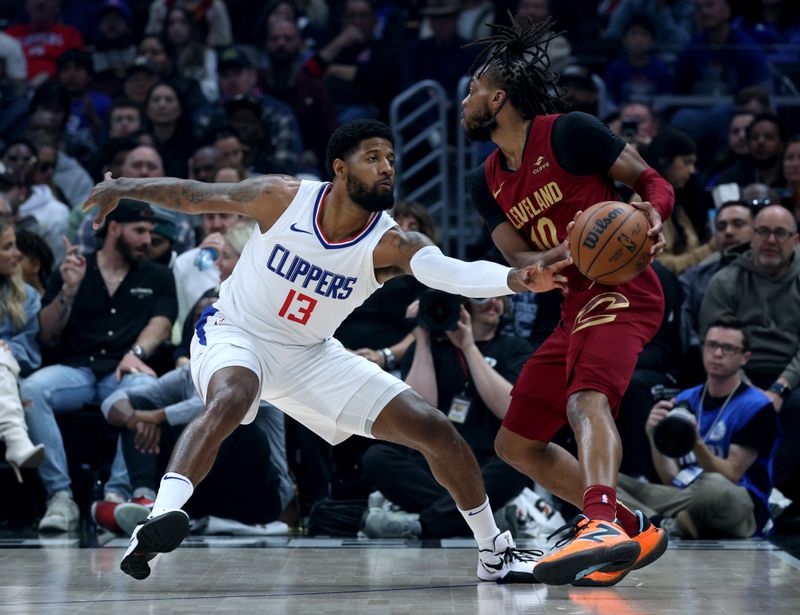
(19, 352)
(170, 125)
(674, 155)
(192, 59)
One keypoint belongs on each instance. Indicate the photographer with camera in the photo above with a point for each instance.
(460, 364)
(712, 446)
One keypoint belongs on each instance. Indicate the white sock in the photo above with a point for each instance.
(174, 491)
(481, 521)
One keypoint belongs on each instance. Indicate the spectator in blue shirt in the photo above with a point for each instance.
(637, 75)
(721, 59)
(88, 108)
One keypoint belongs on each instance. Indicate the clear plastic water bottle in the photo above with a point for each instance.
(205, 258)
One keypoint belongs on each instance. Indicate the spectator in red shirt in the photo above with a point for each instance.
(44, 38)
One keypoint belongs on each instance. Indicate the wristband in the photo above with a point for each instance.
(657, 191)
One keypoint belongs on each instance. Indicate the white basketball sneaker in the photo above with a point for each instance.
(504, 563)
(160, 534)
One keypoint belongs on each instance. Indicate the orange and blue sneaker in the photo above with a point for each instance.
(653, 542)
(594, 545)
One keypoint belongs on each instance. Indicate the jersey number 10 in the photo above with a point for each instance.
(544, 235)
(301, 310)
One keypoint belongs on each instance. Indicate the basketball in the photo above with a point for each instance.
(609, 242)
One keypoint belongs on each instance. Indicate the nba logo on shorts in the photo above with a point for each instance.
(604, 498)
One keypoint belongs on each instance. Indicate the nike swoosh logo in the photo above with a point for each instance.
(493, 567)
(298, 230)
(472, 514)
(498, 190)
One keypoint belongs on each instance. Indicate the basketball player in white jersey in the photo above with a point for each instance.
(317, 252)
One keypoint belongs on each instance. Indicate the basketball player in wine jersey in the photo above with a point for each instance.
(548, 167)
(317, 252)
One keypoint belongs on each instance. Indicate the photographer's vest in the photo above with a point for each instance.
(718, 427)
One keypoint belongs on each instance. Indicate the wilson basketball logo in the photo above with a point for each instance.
(596, 232)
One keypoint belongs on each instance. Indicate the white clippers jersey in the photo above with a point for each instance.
(291, 285)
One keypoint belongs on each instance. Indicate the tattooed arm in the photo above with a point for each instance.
(400, 253)
(263, 198)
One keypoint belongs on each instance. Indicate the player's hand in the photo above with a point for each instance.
(539, 278)
(461, 336)
(106, 196)
(570, 226)
(656, 228)
(131, 364)
(657, 414)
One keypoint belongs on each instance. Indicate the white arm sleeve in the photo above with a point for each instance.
(477, 279)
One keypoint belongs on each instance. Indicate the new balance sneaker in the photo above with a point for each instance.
(160, 534)
(130, 514)
(594, 545)
(62, 514)
(504, 563)
(653, 542)
(381, 523)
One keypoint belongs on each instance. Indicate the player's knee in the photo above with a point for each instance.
(436, 431)
(586, 406)
(516, 451)
(227, 409)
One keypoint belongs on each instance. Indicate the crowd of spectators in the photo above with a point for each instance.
(220, 90)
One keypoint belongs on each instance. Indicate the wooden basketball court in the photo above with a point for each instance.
(308, 575)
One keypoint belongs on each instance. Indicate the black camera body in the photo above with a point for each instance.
(438, 311)
(630, 126)
(675, 435)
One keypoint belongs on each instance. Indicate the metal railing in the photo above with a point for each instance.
(423, 140)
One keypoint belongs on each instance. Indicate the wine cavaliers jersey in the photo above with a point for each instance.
(541, 197)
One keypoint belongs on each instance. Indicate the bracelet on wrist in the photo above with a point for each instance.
(64, 300)
(780, 388)
(389, 361)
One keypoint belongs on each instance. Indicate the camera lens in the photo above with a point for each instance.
(438, 311)
(675, 435)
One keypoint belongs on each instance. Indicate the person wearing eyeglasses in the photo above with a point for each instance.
(37, 201)
(721, 487)
(733, 230)
(761, 288)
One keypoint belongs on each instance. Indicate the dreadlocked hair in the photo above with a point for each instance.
(515, 59)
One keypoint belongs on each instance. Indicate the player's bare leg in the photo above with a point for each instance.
(410, 421)
(231, 393)
(599, 456)
(599, 450)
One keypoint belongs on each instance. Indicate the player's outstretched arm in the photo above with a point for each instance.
(518, 252)
(414, 254)
(260, 197)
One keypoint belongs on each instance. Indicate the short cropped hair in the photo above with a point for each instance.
(729, 322)
(346, 139)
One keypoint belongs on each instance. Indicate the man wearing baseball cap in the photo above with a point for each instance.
(104, 316)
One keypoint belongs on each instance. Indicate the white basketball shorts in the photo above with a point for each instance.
(325, 387)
